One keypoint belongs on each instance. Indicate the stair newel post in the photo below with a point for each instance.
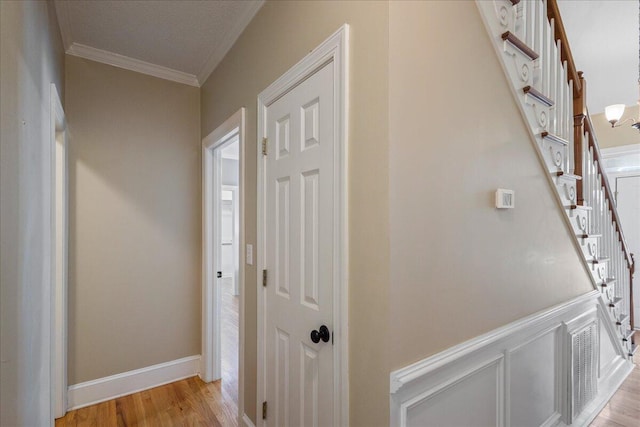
(580, 112)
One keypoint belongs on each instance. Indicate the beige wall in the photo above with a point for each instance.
(134, 216)
(31, 58)
(459, 267)
(614, 137)
(281, 34)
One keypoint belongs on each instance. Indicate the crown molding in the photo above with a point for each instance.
(218, 53)
(620, 151)
(131, 64)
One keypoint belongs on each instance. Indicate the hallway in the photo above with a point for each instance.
(189, 402)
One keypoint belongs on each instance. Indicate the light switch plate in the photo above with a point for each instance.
(505, 199)
(249, 254)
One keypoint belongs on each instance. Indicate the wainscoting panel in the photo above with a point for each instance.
(608, 355)
(539, 371)
(533, 382)
(482, 390)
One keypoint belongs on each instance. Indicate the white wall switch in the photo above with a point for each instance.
(505, 199)
(250, 254)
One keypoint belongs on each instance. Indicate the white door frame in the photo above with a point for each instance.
(59, 253)
(332, 52)
(211, 308)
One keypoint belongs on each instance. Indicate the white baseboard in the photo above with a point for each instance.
(107, 388)
(247, 421)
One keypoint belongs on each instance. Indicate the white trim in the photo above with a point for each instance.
(234, 125)
(607, 386)
(620, 151)
(497, 361)
(419, 382)
(214, 57)
(406, 375)
(333, 50)
(59, 255)
(108, 388)
(132, 64)
(629, 154)
(247, 421)
(221, 49)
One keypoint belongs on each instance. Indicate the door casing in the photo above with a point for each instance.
(210, 369)
(59, 254)
(334, 51)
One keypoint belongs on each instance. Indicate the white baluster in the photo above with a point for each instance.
(560, 98)
(569, 126)
(546, 51)
(529, 18)
(569, 123)
(587, 184)
(625, 277)
(598, 199)
(553, 78)
(568, 101)
(519, 25)
(618, 272)
(607, 231)
(538, 41)
(563, 97)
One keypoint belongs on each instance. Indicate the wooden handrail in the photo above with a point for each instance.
(582, 121)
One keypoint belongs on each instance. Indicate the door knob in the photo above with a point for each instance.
(321, 334)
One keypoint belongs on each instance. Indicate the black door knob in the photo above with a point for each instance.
(321, 334)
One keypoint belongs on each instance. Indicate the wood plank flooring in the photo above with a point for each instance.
(189, 402)
(230, 340)
(623, 410)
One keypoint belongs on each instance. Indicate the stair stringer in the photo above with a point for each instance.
(499, 16)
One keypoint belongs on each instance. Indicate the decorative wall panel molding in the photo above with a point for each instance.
(542, 370)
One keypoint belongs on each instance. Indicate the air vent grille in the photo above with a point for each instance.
(584, 363)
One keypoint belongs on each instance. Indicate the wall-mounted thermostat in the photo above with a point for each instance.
(505, 199)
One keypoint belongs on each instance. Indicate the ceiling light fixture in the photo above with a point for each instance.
(614, 113)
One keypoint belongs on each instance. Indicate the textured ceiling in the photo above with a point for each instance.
(603, 36)
(183, 35)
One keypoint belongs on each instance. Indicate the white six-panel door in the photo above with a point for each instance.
(299, 195)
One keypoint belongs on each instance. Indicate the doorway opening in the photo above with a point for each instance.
(229, 267)
(223, 272)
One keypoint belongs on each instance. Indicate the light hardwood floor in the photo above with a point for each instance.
(623, 410)
(189, 402)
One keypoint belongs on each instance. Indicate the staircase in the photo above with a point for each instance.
(532, 46)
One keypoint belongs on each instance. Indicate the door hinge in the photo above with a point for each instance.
(264, 278)
(264, 146)
(264, 410)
